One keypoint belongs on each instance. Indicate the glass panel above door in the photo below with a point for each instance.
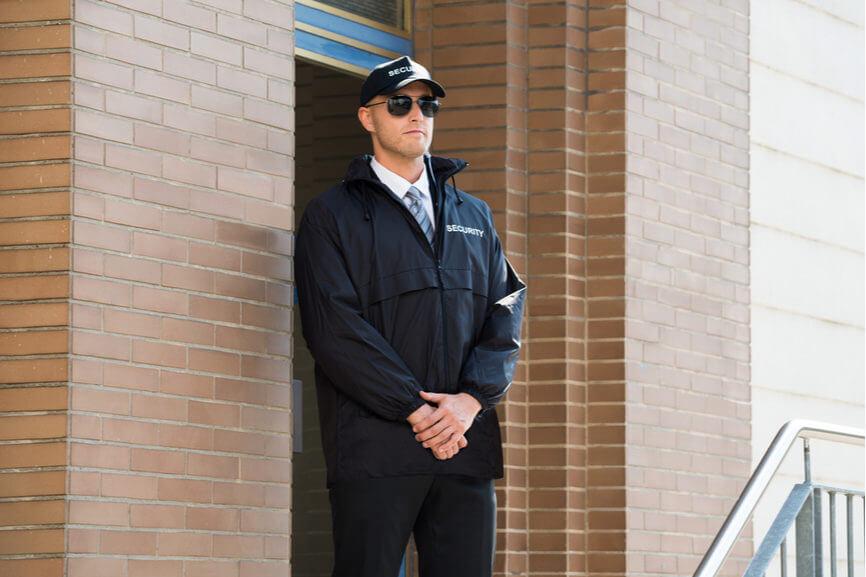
(352, 36)
(389, 12)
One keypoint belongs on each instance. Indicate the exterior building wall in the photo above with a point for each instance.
(35, 176)
(147, 201)
(687, 279)
(178, 434)
(807, 180)
(169, 258)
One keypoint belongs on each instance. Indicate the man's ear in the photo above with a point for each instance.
(365, 120)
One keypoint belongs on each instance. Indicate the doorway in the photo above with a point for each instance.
(327, 137)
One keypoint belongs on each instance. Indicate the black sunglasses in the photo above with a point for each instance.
(400, 105)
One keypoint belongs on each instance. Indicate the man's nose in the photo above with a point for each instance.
(415, 111)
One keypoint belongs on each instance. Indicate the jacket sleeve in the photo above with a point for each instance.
(350, 351)
(489, 367)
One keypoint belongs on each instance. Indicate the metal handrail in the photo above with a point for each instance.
(760, 480)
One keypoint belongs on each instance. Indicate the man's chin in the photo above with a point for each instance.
(413, 152)
(415, 146)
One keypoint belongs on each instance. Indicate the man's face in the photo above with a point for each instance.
(409, 135)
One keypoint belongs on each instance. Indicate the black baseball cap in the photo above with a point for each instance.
(394, 74)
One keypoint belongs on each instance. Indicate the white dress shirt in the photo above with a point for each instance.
(400, 186)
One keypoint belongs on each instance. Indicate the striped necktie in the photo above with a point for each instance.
(416, 207)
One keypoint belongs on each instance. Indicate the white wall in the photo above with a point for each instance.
(807, 233)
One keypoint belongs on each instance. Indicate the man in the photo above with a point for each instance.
(412, 314)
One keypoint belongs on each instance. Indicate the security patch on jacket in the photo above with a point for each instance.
(464, 229)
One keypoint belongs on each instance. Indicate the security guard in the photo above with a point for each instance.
(412, 314)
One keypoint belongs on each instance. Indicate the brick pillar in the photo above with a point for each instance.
(605, 279)
(180, 393)
(174, 452)
(557, 293)
(35, 152)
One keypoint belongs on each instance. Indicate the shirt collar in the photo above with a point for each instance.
(397, 183)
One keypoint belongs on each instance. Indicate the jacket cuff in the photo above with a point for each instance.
(412, 407)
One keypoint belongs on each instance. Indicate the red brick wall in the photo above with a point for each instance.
(35, 150)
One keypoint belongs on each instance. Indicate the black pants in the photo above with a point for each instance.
(453, 518)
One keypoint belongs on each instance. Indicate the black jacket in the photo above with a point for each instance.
(386, 315)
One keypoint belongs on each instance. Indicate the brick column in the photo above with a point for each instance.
(174, 453)
(180, 387)
(557, 293)
(35, 151)
(604, 251)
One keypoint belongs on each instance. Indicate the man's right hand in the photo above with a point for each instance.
(445, 450)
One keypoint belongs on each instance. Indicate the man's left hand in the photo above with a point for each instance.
(451, 419)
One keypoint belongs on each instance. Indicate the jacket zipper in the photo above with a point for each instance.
(440, 240)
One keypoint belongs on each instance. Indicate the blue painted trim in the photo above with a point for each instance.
(350, 29)
(343, 52)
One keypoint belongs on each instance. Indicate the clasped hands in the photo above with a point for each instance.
(441, 428)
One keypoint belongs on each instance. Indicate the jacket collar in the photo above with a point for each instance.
(441, 167)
